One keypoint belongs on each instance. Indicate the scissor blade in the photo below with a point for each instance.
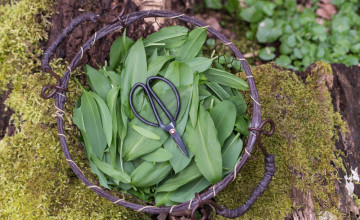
(180, 143)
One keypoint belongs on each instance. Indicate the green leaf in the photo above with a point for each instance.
(136, 145)
(157, 63)
(186, 192)
(224, 116)
(145, 132)
(218, 90)
(187, 175)
(78, 118)
(291, 40)
(231, 6)
(169, 37)
(180, 74)
(135, 71)
(319, 33)
(101, 176)
(194, 108)
(242, 125)
(267, 8)
(340, 24)
(213, 4)
(115, 78)
(226, 79)
(105, 117)
(200, 64)
(252, 14)
(202, 141)
(98, 82)
(239, 103)
(118, 49)
(162, 199)
(307, 16)
(283, 60)
(148, 174)
(193, 45)
(93, 125)
(267, 53)
(110, 171)
(230, 152)
(267, 32)
(159, 155)
(355, 48)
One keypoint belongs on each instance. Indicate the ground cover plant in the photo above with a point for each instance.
(130, 156)
(296, 36)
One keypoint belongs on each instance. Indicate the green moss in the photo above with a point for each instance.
(35, 180)
(303, 144)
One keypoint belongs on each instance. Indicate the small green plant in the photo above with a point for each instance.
(302, 39)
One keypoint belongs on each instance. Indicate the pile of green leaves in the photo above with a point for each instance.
(130, 156)
(302, 39)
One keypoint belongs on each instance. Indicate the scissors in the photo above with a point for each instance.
(151, 94)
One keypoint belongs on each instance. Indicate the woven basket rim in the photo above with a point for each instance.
(213, 190)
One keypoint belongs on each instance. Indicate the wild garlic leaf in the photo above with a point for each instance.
(78, 118)
(203, 142)
(93, 124)
(145, 132)
(239, 102)
(168, 37)
(218, 90)
(98, 82)
(135, 70)
(136, 145)
(114, 77)
(194, 101)
(200, 64)
(105, 117)
(102, 178)
(157, 63)
(242, 125)
(193, 45)
(148, 174)
(187, 175)
(226, 79)
(180, 74)
(224, 116)
(162, 199)
(110, 171)
(230, 152)
(118, 49)
(159, 155)
(187, 192)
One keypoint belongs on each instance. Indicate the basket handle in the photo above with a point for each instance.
(52, 48)
(261, 187)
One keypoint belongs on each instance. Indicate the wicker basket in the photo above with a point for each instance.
(59, 91)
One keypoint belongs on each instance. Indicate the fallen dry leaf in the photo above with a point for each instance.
(326, 9)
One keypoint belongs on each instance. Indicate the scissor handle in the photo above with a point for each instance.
(150, 93)
(172, 119)
(151, 102)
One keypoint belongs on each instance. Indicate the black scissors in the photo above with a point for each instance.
(151, 94)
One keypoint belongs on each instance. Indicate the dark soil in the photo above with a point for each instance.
(5, 114)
